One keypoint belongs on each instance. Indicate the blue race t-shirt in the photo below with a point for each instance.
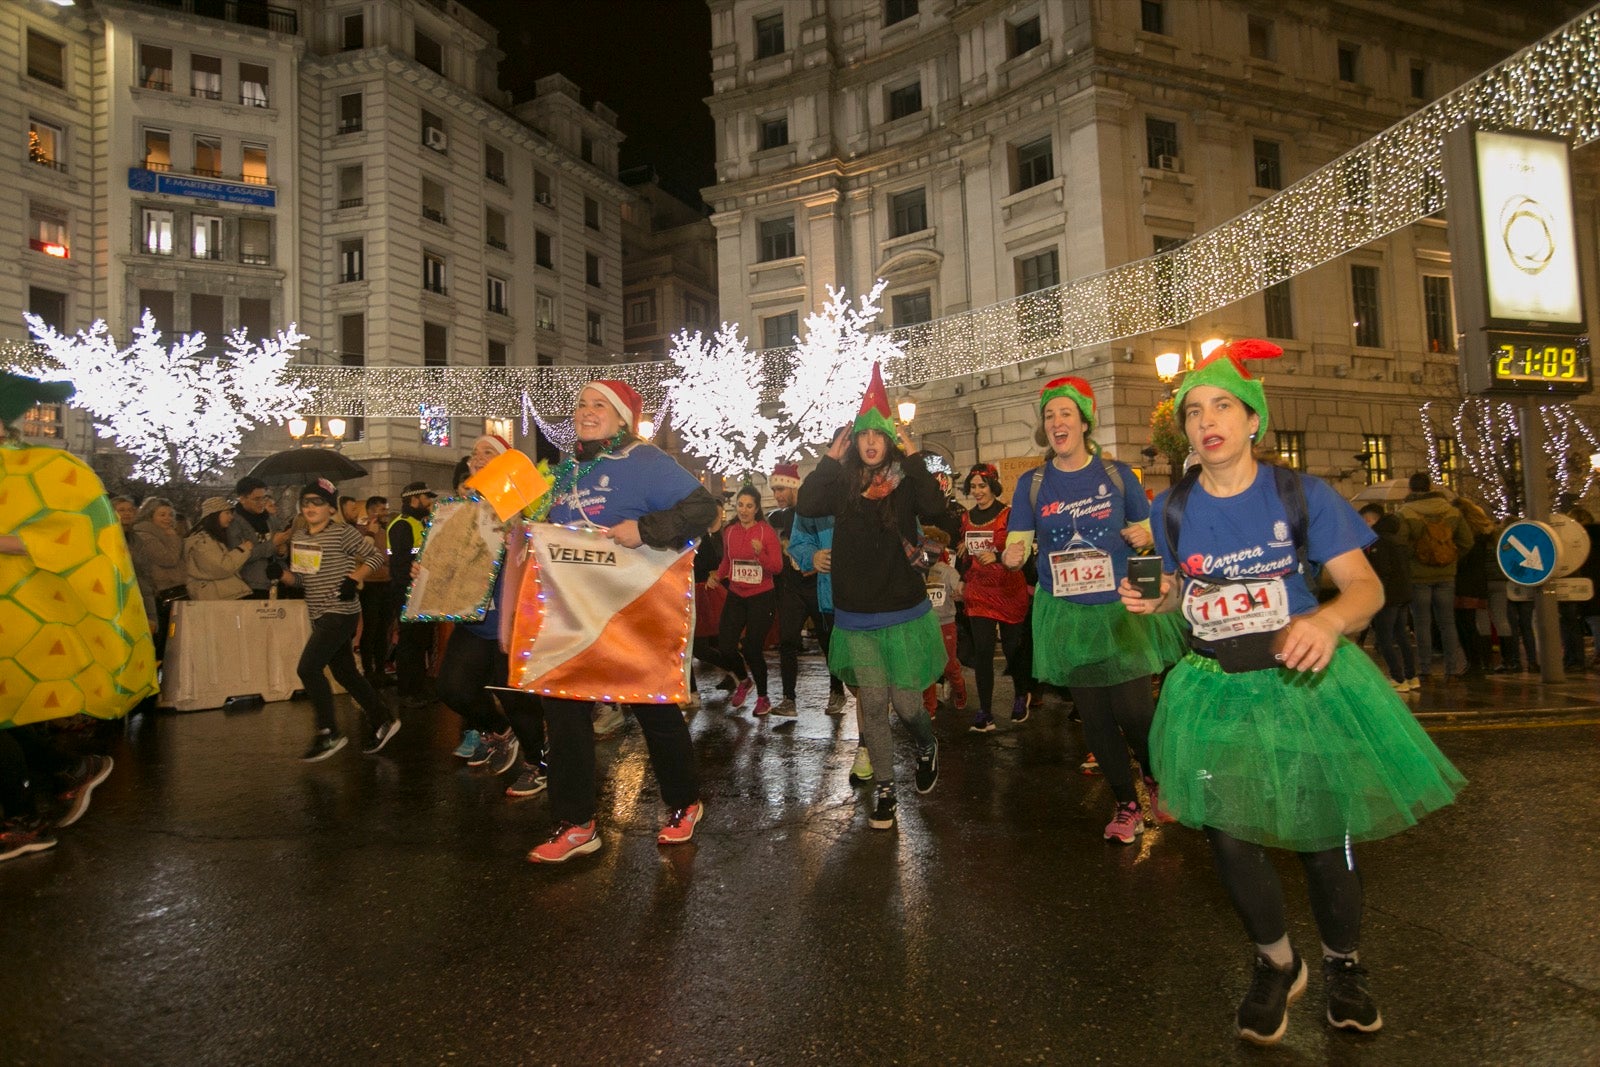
(1224, 539)
(639, 481)
(1085, 499)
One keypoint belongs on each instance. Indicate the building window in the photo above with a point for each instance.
(42, 421)
(352, 260)
(494, 164)
(205, 77)
(494, 229)
(1419, 81)
(908, 212)
(769, 36)
(776, 239)
(1291, 448)
(898, 11)
(157, 238)
(253, 163)
(255, 316)
(778, 331)
(1037, 272)
(253, 83)
(1349, 60)
(591, 213)
(774, 132)
(542, 193)
(1152, 17)
(427, 51)
(1162, 243)
(47, 59)
(1161, 144)
(255, 242)
(1023, 36)
(157, 150)
(46, 144)
(1439, 314)
(352, 33)
(591, 269)
(542, 254)
(642, 310)
(350, 109)
(433, 201)
(498, 290)
(352, 185)
(1263, 42)
(906, 100)
(208, 157)
(1280, 310)
(544, 311)
(435, 345)
(497, 358)
(1364, 302)
(1377, 449)
(1444, 450)
(695, 312)
(586, 148)
(205, 236)
(155, 68)
(908, 309)
(353, 340)
(594, 328)
(433, 132)
(433, 277)
(1035, 164)
(49, 305)
(205, 316)
(159, 302)
(47, 231)
(1269, 167)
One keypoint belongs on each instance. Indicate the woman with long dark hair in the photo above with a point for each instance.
(751, 558)
(996, 597)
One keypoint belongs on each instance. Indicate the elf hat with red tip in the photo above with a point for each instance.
(874, 413)
(1224, 369)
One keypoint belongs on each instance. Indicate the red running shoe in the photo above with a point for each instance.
(680, 827)
(569, 840)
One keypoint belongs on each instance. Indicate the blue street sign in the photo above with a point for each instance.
(1526, 552)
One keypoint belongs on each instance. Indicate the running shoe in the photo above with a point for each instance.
(1126, 825)
(608, 722)
(741, 692)
(1350, 1005)
(503, 750)
(1413, 684)
(835, 704)
(323, 744)
(21, 835)
(569, 840)
(1090, 765)
(380, 737)
(1263, 1014)
(468, 745)
(680, 827)
(92, 771)
(785, 708)
(861, 770)
(1162, 814)
(928, 769)
(1019, 709)
(763, 707)
(482, 753)
(982, 723)
(531, 781)
(882, 817)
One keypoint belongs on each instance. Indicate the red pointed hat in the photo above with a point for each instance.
(623, 397)
(874, 413)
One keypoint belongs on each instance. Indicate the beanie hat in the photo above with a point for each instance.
(18, 395)
(785, 476)
(500, 445)
(323, 490)
(213, 505)
(1081, 393)
(417, 489)
(874, 413)
(623, 397)
(1224, 369)
(988, 472)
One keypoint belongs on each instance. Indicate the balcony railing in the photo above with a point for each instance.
(161, 83)
(349, 125)
(255, 259)
(208, 253)
(433, 214)
(352, 201)
(436, 287)
(253, 13)
(497, 242)
(46, 161)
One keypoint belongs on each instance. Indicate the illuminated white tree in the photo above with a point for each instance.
(1488, 440)
(715, 401)
(179, 412)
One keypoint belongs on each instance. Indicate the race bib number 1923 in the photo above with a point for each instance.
(746, 573)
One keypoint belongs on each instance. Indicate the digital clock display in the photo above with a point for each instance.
(1539, 362)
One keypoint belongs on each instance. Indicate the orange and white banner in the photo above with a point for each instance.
(596, 621)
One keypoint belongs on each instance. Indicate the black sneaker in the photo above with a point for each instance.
(79, 785)
(1350, 1005)
(928, 769)
(323, 745)
(882, 817)
(22, 835)
(1263, 1014)
(380, 737)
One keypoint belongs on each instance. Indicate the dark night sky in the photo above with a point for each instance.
(647, 60)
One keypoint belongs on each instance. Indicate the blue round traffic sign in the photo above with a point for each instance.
(1526, 552)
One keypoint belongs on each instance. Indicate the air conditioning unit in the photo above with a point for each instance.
(545, 198)
(1172, 163)
(435, 138)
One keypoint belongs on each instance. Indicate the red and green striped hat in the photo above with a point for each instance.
(874, 413)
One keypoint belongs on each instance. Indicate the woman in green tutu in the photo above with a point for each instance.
(1088, 513)
(886, 641)
(1275, 731)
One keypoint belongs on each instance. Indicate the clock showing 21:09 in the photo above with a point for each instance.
(1539, 362)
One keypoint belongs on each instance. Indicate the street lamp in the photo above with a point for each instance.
(1168, 364)
(907, 408)
(315, 437)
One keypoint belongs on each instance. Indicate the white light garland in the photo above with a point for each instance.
(1488, 439)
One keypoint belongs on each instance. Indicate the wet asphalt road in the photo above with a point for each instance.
(222, 903)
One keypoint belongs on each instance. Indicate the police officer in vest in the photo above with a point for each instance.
(416, 638)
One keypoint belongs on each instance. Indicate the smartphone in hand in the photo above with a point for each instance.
(1144, 574)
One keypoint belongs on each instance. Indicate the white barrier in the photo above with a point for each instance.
(232, 648)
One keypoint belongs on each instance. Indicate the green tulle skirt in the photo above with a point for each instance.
(908, 655)
(1294, 760)
(1096, 645)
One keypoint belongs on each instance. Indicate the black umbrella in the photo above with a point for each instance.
(298, 465)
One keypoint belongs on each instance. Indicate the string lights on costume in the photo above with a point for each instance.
(179, 412)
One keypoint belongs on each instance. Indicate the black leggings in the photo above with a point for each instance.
(471, 664)
(1116, 718)
(329, 646)
(1252, 884)
(750, 616)
(1019, 659)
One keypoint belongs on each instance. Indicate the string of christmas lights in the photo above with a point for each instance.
(1487, 434)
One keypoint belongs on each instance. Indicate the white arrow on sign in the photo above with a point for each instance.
(1530, 559)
